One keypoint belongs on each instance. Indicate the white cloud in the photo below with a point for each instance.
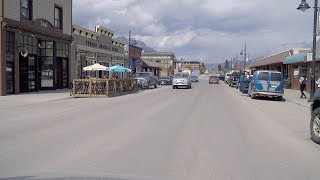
(208, 29)
(122, 12)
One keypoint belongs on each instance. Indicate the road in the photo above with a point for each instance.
(208, 132)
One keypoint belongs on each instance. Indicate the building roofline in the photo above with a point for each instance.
(85, 30)
(159, 53)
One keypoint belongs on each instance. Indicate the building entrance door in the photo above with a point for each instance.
(28, 76)
(32, 68)
(23, 74)
(59, 70)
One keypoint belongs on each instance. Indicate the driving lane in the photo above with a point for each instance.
(207, 132)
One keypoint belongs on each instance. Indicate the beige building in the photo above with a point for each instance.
(35, 40)
(98, 46)
(166, 59)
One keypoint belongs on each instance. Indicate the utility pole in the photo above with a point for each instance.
(129, 59)
(237, 62)
(245, 58)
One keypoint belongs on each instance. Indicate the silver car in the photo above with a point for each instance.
(146, 79)
(181, 80)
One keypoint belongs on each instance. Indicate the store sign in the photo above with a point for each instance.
(43, 23)
(309, 57)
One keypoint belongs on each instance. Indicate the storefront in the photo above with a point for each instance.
(149, 66)
(36, 57)
(299, 65)
(89, 47)
(135, 62)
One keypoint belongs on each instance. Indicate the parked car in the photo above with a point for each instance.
(221, 77)
(146, 79)
(243, 83)
(266, 84)
(214, 79)
(315, 117)
(165, 80)
(181, 79)
(235, 76)
(227, 77)
(194, 79)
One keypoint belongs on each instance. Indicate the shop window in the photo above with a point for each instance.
(296, 72)
(316, 72)
(62, 49)
(25, 9)
(29, 43)
(57, 17)
(10, 62)
(46, 48)
(46, 69)
(303, 71)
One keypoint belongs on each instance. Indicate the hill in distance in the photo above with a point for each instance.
(140, 44)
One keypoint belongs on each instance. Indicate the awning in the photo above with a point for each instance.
(295, 59)
(274, 59)
(152, 64)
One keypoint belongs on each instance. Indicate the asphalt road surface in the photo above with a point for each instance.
(207, 132)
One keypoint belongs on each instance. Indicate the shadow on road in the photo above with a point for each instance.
(269, 99)
(60, 178)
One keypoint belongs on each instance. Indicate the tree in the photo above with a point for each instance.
(226, 65)
(202, 68)
(219, 67)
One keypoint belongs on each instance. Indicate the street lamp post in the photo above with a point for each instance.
(303, 7)
(245, 58)
(129, 43)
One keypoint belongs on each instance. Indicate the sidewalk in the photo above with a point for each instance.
(293, 96)
(23, 99)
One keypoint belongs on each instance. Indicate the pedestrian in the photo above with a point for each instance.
(318, 82)
(303, 82)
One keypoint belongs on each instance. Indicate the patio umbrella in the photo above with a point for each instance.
(119, 69)
(95, 67)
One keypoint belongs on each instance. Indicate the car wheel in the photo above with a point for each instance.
(253, 96)
(315, 126)
(173, 87)
(155, 85)
(280, 98)
(148, 86)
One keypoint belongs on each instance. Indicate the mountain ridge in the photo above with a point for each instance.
(141, 44)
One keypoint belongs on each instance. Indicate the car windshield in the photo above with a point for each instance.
(142, 75)
(194, 76)
(164, 77)
(180, 75)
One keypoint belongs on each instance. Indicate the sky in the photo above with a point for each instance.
(210, 31)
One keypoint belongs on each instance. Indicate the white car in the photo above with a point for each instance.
(227, 77)
(181, 80)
